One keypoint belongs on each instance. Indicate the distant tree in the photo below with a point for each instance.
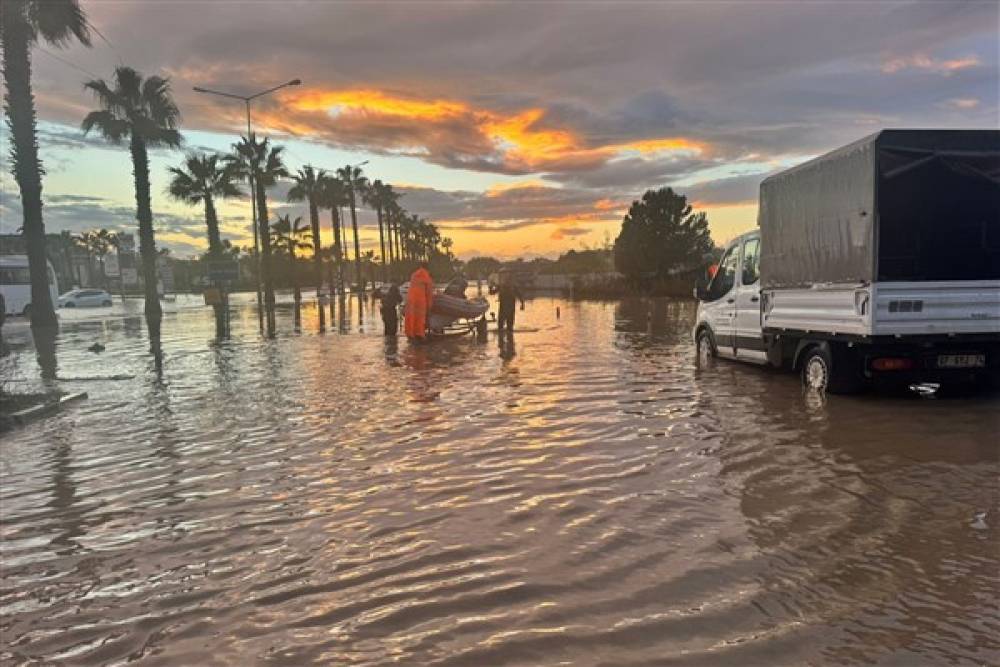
(482, 267)
(142, 111)
(22, 24)
(264, 162)
(379, 196)
(309, 184)
(292, 235)
(355, 183)
(660, 233)
(333, 195)
(200, 180)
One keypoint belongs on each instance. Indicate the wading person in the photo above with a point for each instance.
(419, 297)
(391, 298)
(508, 294)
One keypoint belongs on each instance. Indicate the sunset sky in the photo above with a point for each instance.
(519, 129)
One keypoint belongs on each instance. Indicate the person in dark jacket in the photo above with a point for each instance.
(508, 294)
(391, 299)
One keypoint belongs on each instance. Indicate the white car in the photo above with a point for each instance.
(83, 298)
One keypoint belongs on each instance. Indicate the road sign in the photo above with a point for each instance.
(223, 270)
(111, 266)
(126, 243)
(130, 276)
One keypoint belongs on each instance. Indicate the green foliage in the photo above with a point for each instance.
(137, 107)
(482, 267)
(660, 235)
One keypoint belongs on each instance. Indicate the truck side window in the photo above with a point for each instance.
(725, 277)
(751, 261)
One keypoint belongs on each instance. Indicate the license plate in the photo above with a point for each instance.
(961, 360)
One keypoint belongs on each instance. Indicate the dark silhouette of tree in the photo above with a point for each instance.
(355, 183)
(264, 162)
(482, 267)
(660, 234)
(378, 195)
(309, 185)
(200, 180)
(291, 235)
(333, 195)
(22, 24)
(142, 111)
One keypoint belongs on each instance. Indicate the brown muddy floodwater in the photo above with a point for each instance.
(584, 497)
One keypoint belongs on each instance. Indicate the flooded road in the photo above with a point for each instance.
(585, 496)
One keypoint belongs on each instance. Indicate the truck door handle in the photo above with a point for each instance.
(730, 300)
(754, 299)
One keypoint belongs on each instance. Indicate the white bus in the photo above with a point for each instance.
(15, 284)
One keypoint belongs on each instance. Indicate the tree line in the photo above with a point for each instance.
(140, 113)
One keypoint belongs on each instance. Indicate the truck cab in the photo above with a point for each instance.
(729, 322)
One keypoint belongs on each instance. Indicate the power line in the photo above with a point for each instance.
(68, 63)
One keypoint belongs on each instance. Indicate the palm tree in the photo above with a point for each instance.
(200, 180)
(81, 242)
(394, 213)
(334, 196)
(378, 195)
(96, 244)
(309, 184)
(290, 234)
(22, 24)
(144, 112)
(354, 182)
(264, 162)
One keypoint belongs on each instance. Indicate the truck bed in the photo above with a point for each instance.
(886, 309)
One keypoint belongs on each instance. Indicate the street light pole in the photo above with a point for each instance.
(253, 193)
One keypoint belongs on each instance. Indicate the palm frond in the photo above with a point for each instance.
(59, 21)
(111, 127)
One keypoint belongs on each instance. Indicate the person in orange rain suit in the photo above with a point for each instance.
(418, 302)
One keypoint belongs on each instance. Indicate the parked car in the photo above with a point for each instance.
(85, 298)
(878, 262)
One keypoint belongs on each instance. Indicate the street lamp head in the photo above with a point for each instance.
(199, 90)
(294, 82)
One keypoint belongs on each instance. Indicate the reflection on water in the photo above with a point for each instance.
(578, 494)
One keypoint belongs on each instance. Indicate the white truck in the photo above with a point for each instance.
(877, 262)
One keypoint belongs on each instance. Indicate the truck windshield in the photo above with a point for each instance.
(939, 216)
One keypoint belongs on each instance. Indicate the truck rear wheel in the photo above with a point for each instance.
(830, 371)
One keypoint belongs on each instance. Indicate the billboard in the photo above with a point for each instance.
(112, 266)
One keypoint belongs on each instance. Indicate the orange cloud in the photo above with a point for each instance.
(498, 189)
(926, 63)
(450, 132)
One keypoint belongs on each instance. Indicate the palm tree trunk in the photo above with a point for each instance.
(147, 240)
(338, 252)
(27, 169)
(265, 249)
(381, 239)
(295, 281)
(389, 244)
(212, 223)
(399, 243)
(215, 251)
(317, 259)
(357, 244)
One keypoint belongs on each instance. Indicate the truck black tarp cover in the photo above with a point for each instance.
(899, 205)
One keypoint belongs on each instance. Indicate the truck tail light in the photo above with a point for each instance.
(892, 364)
